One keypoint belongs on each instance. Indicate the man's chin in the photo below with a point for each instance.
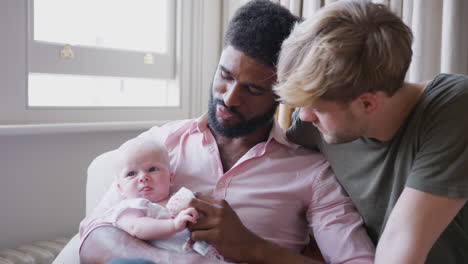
(227, 123)
(336, 140)
(228, 129)
(331, 140)
(235, 126)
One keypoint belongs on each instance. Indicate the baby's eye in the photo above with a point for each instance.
(130, 174)
(153, 169)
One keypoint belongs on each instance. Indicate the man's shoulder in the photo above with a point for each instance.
(303, 133)
(446, 86)
(311, 165)
(170, 129)
(180, 124)
(302, 158)
(446, 96)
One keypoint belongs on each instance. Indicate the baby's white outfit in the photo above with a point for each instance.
(178, 242)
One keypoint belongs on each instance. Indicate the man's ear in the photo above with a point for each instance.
(171, 178)
(368, 102)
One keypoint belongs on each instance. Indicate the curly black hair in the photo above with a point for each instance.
(258, 29)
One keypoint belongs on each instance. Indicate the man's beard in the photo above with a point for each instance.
(244, 127)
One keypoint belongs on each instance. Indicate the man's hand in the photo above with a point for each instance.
(184, 216)
(221, 227)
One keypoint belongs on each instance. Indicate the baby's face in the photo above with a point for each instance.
(141, 174)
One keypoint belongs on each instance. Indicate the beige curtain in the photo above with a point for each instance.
(440, 29)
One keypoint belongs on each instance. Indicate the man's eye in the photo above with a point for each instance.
(254, 90)
(226, 76)
(130, 174)
(153, 169)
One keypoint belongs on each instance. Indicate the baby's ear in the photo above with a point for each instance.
(120, 191)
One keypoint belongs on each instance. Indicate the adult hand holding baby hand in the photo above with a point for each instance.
(183, 217)
(222, 228)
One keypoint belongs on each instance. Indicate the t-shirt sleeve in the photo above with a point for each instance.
(303, 133)
(441, 163)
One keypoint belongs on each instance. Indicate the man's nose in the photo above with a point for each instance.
(232, 96)
(307, 115)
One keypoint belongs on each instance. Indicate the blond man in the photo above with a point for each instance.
(399, 149)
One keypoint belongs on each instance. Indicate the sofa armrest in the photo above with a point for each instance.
(70, 253)
(99, 179)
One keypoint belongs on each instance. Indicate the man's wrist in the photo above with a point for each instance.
(261, 251)
(264, 252)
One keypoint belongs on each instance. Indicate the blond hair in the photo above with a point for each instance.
(345, 49)
(141, 145)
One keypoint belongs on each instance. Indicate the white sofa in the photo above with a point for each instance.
(97, 183)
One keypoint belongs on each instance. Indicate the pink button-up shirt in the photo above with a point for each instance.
(280, 191)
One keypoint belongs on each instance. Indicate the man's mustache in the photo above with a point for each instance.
(230, 109)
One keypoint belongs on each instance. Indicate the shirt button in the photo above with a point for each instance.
(221, 184)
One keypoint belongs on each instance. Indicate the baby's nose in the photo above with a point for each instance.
(144, 178)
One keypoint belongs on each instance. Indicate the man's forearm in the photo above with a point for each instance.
(105, 243)
(270, 253)
(146, 228)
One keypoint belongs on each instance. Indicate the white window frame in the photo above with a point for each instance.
(43, 57)
(197, 49)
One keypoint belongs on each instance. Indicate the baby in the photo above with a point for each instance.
(143, 178)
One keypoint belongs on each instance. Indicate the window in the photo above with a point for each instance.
(104, 23)
(111, 38)
(99, 91)
(182, 69)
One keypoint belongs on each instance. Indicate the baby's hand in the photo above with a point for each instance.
(184, 216)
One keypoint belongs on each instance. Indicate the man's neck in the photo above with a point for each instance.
(232, 149)
(395, 110)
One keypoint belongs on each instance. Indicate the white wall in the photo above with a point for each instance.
(42, 175)
(43, 180)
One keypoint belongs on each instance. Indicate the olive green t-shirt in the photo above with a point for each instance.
(429, 153)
